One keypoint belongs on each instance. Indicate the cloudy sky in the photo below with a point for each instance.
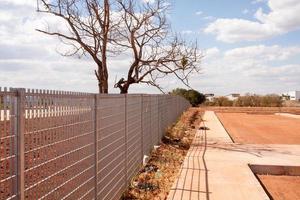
(249, 46)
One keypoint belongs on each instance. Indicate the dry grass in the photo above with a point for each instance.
(154, 180)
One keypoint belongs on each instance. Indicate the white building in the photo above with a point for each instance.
(233, 96)
(209, 97)
(292, 95)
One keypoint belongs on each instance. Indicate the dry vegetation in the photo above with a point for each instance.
(154, 180)
(249, 100)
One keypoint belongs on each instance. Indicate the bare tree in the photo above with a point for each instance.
(156, 51)
(89, 30)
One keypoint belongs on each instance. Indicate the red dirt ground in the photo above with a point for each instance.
(261, 129)
(282, 187)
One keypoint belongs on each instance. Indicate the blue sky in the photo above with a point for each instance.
(196, 15)
(249, 46)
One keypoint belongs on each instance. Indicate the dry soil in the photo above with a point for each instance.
(261, 129)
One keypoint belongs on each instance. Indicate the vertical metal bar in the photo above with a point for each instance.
(96, 100)
(126, 164)
(142, 132)
(12, 141)
(158, 119)
(20, 138)
(150, 127)
(14, 128)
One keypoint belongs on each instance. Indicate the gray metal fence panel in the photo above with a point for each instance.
(111, 176)
(162, 115)
(134, 134)
(146, 124)
(64, 145)
(154, 119)
(59, 146)
(8, 144)
(168, 103)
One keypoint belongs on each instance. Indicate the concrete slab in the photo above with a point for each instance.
(217, 168)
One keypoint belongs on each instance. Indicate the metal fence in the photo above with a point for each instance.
(65, 145)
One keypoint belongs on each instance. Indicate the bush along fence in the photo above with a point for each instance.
(66, 145)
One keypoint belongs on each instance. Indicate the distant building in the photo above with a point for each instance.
(233, 96)
(292, 95)
(209, 97)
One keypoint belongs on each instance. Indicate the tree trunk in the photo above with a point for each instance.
(105, 86)
(100, 87)
(102, 78)
(124, 91)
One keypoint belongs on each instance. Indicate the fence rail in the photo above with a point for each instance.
(65, 145)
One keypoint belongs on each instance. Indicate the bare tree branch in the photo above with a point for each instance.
(156, 51)
(89, 28)
(99, 28)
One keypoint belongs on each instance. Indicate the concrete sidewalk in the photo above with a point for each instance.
(217, 168)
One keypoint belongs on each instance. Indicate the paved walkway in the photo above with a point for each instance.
(215, 168)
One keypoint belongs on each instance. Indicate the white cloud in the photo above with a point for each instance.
(20, 2)
(264, 53)
(199, 13)
(187, 32)
(211, 53)
(149, 1)
(282, 18)
(209, 18)
(234, 30)
(245, 11)
(258, 1)
(250, 69)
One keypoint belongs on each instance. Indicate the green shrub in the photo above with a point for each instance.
(194, 97)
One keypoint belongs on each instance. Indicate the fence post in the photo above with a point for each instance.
(96, 100)
(126, 160)
(20, 142)
(142, 132)
(158, 119)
